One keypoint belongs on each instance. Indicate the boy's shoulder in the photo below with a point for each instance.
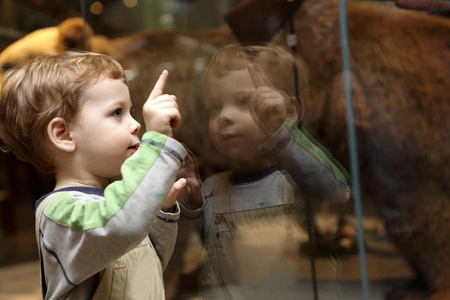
(213, 182)
(214, 178)
(81, 193)
(75, 208)
(60, 205)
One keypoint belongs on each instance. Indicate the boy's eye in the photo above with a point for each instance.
(242, 101)
(213, 107)
(117, 113)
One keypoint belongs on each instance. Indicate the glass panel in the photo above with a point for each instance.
(267, 213)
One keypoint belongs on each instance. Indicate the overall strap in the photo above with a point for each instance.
(219, 202)
(221, 192)
(39, 212)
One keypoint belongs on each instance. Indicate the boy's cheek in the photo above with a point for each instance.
(212, 124)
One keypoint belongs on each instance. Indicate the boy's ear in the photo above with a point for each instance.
(59, 135)
(296, 109)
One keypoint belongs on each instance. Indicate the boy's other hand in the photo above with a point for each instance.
(190, 196)
(171, 199)
(160, 111)
(269, 107)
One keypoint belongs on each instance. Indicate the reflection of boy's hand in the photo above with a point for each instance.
(160, 111)
(269, 107)
(192, 194)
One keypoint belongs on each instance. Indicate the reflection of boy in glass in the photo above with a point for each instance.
(250, 223)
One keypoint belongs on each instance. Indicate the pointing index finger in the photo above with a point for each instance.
(158, 89)
(255, 76)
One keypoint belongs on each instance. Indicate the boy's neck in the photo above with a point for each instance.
(66, 179)
(250, 167)
(71, 183)
(246, 177)
(68, 173)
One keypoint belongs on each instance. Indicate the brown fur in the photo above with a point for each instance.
(400, 67)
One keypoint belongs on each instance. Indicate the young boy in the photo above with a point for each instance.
(71, 114)
(249, 214)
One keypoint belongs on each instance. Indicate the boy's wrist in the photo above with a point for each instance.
(169, 208)
(189, 212)
(193, 205)
(155, 136)
(170, 217)
(278, 140)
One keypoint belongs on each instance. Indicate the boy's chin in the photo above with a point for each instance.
(114, 178)
(243, 157)
(249, 165)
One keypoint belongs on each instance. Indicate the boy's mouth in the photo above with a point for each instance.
(230, 136)
(134, 147)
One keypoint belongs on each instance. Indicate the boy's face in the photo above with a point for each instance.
(104, 131)
(231, 126)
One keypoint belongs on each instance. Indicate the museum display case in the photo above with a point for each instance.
(370, 87)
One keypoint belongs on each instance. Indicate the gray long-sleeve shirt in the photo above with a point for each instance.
(83, 231)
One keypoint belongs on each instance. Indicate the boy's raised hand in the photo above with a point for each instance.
(160, 111)
(269, 107)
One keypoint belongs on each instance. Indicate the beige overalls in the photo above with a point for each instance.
(132, 276)
(250, 250)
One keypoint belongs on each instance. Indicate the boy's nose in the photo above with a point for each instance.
(227, 115)
(135, 127)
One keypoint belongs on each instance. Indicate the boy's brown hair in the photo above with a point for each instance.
(275, 62)
(45, 88)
